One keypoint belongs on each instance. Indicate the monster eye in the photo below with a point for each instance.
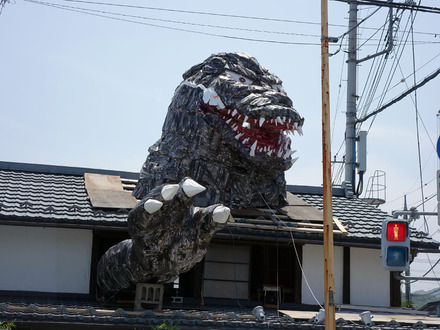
(238, 78)
(278, 88)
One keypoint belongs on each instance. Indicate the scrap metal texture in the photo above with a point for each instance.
(227, 129)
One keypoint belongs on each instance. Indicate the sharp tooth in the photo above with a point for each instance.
(280, 152)
(229, 112)
(262, 121)
(279, 120)
(290, 120)
(246, 125)
(300, 131)
(228, 121)
(284, 119)
(294, 160)
(246, 118)
(235, 128)
(234, 112)
(245, 140)
(269, 152)
(238, 135)
(292, 131)
(295, 125)
(253, 147)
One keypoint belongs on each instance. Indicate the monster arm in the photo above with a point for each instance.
(169, 236)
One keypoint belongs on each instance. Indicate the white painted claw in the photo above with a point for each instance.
(169, 191)
(294, 160)
(152, 205)
(221, 214)
(192, 188)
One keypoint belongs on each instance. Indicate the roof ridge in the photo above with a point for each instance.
(63, 170)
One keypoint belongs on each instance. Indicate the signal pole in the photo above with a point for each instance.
(329, 282)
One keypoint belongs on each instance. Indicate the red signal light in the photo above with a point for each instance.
(396, 231)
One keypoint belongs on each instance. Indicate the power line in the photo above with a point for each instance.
(193, 12)
(219, 15)
(174, 28)
(178, 22)
(401, 96)
(398, 5)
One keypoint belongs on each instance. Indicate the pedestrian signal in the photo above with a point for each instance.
(395, 244)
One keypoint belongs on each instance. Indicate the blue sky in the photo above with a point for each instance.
(89, 91)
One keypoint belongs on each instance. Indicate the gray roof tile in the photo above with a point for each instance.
(363, 220)
(51, 194)
(50, 197)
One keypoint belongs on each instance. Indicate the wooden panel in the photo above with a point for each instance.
(293, 200)
(304, 213)
(103, 182)
(106, 191)
(112, 199)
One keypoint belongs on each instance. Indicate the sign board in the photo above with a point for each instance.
(438, 146)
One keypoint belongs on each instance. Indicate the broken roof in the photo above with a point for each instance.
(56, 195)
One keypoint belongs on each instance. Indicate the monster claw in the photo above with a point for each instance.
(192, 188)
(221, 214)
(169, 191)
(152, 205)
(294, 160)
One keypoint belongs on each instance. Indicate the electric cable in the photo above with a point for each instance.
(175, 21)
(417, 122)
(177, 29)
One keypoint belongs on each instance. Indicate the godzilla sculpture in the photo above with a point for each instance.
(224, 144)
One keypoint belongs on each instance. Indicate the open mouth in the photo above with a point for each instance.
(261, 135)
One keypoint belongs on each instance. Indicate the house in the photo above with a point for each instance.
(53, 231)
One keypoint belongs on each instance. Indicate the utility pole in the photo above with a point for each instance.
(350, 123)
(352, 62)
(329, 282)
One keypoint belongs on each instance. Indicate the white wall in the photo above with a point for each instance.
(369, 281)
(313, 266)
(45, 259)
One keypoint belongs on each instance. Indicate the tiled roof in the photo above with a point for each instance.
(364, 221)
(57, 195)
(51, 198)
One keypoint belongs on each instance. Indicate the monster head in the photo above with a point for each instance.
(247, 104)
(227, 128)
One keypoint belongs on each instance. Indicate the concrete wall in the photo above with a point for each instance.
(313, 266)
(45, 259)
(369, 282)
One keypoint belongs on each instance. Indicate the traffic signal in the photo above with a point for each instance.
(395, 245)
